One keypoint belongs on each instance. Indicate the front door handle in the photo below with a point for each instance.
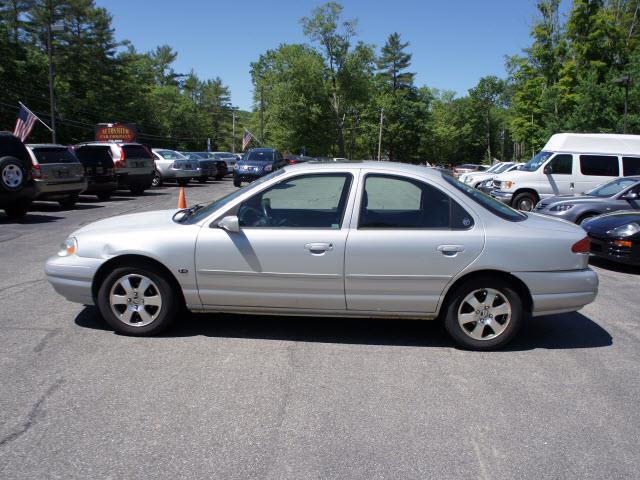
(451, 250)
(318, 248)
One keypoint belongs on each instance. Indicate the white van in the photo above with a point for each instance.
(569, 163)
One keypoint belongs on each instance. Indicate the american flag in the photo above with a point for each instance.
(24, 124)
(246, 139)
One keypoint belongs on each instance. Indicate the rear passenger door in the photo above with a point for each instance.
(405, 245)
(595, 170)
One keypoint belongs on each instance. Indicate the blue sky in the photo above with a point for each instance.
(453, 43)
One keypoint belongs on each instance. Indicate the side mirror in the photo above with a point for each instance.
(230, 224)
(630, 196)
(547, 169)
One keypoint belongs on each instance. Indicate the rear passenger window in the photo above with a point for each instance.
(630, 166)
(561, 165)
(393, 202)
(599, 165)
(136, 151)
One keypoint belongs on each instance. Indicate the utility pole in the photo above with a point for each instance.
(233, 132)
(261, 112)
(51, 27)
(380, 135)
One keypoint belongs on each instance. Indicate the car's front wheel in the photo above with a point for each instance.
(237, 182)
(525, 201)
(137, 300)
(484, 314)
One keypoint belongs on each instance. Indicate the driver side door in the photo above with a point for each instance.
(289, 252)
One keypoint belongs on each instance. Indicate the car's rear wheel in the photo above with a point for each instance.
(203, 179)
(525, 201)
(157, 179)
(68, 202)
(137, 189)
(104, 196)
(137, 300)
(12, 175)
(18, 210)
(483, 314)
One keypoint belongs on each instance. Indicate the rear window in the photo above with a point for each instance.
(46, 155)
(136, 151)
(631, 166)
(599, 165)
(92, 153)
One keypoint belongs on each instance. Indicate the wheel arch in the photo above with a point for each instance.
(129, 260)
(512, 280)
(532, 191)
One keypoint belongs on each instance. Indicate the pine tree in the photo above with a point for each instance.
(393, 62)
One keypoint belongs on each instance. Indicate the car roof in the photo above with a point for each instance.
(45, 145)
(367, 164)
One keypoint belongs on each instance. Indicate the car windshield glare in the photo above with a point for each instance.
(611, 188)
(502, 168)
(208, 209)
(171, 155)
(494, 206)
(534, 164)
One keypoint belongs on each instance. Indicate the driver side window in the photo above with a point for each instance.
(306, 201)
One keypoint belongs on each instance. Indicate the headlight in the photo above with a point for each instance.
(506, 184)
(561, 208)
(625, 230)
(235, 167)
(68, 247)
(268, 168)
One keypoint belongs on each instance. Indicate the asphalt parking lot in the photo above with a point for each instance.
(282, 397)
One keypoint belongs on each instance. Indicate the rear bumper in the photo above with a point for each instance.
(126, 179)
(99, 184)
(207, 172)
(504, 197)
(72, 277)
(561, 291)
(52, 189)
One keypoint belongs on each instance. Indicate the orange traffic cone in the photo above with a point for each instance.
(182, 201)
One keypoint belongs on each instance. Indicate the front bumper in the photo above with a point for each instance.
(603, 247)
(486, 190)
(59, 188)
(72, 277)
(560, 291)
(504, 197)
(248, 177)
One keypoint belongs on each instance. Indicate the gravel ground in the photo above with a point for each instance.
(223, 396)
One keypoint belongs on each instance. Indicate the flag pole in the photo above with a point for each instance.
(37, 117)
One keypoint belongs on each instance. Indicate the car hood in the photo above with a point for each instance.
(573, 199)
(133, 221)
(609, 221)
(513, 175)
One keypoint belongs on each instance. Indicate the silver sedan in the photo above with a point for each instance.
(368, 239)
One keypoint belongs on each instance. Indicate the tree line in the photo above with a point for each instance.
(97, 79)
(331, 94)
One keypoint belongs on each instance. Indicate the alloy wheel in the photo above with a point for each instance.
(12, 176)
(484, 314)
(135, 300)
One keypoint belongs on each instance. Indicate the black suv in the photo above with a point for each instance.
(17, 189)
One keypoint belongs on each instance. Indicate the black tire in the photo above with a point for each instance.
(203, 179)
(236, 182)
(462, 335)
(219, 177)
(524, 201)
(104, 196)
(68, 202)
(183, 182)
(157, 179)
(583, 218)
(17, 211)
(137, 189)
(13, 176)
(166, 313)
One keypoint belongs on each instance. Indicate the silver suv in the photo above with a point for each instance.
(132, 163)
(57, 173)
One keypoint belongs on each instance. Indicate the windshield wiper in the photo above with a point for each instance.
(185, 213)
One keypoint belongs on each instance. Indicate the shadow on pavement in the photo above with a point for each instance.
(565, 331)
(614, 266)
(30, 219)
(54, 207)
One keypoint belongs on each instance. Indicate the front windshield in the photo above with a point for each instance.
(534, 164)
(611, 188)
(494, 206)
(494, 168)
(503, 167)
(258, 156)
(208, 209)
(171, 155)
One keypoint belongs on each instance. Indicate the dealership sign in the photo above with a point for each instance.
(116, 132)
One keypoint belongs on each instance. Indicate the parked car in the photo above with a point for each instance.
(57, 173)
(132, 162)
(467, 168)
(256, 163)
(172, 165)
(207, 167)
(569, 163)
(291, 159)
(369, 239)
(221, 165)
(230, 158)
(483, 181)
(98, 170)
(17, 188)
(474, 178)
(619, 194)
(615, 236)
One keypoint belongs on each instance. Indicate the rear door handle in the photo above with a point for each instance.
(451, 250)
(318, 248)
